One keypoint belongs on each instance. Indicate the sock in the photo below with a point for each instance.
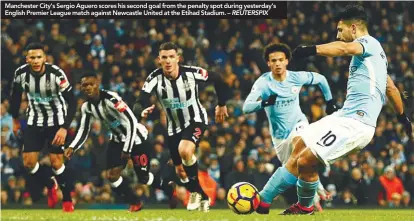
(42, 174)
(191, 168)
(121, 187)
(306, 192)
(280, 181)
(63, 178)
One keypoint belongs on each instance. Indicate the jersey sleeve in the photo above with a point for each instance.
(62, 80)
(201, 74)
(368, 44)
(253, 101)
(84, 128)
(150, 83)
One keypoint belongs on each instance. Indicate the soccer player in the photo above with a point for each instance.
(128, 139)
(48, 117)
(176, 88)
(277, 92)
(352, 127)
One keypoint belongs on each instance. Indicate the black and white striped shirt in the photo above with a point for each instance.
(45, 94)
(180, 97)
(115, 113)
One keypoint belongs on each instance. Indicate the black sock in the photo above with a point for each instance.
(43, 176)
(124, 190)
(194, 184)
(65, 182)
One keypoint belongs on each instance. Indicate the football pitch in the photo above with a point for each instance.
(218, 215)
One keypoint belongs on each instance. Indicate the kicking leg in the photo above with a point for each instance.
(283, 178)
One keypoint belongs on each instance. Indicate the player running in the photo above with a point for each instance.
(128, 140)
(176, 88)
(352, 127)
(48, 118)
(277, 92)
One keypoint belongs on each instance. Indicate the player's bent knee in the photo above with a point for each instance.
(56, 163)
(29, 161)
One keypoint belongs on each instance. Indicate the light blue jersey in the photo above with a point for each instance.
(286, 111)
(367, 83)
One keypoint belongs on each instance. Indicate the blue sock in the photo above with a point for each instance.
(306, 192)
(280, 181)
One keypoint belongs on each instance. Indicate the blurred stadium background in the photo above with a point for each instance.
(124, 52)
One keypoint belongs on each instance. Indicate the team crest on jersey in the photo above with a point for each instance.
(295, 90)
(121, 106)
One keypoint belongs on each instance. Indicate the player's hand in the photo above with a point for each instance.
(303, 52)
(147, 111)
(125, 156)
(68, 152)
(60, 137)
(271, 100)
(331, 107)
(221, 113)
(16, 127)
(404, 120)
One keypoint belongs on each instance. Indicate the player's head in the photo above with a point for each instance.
(90, 85)
(351, 21)
(169, 58)
(36, 57)
(277, 56)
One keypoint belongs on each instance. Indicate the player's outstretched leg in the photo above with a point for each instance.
(307, 184)
(121, 186)
(40, 175)
(198, 198)
(283, 178)
(63, 178)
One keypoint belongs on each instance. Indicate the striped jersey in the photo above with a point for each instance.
(180, 97)
(112, 111)
(47, 105)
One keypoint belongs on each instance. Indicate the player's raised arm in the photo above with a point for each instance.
(394, 96)
(83, 129)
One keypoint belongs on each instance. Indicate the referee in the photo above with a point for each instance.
(48, 117)
(176, 88)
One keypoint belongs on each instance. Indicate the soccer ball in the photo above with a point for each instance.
(243, 198)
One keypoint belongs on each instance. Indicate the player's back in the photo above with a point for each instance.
(367, 83)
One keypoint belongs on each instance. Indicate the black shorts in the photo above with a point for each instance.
(194, 132)
(36, 138)
(139, 155)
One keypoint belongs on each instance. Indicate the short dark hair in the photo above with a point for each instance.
(353, 12)
(277, 47)
(168, 46)
(89, 74)
(35, 46)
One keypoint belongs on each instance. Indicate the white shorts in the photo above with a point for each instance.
(284, 147)
(333, 137)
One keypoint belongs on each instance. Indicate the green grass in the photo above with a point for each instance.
(218, 214)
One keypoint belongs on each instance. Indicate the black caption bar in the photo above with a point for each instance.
(123, 9)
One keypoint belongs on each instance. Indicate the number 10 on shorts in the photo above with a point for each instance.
(327, 140)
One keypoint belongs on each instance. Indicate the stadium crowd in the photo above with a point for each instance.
(124, 52)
